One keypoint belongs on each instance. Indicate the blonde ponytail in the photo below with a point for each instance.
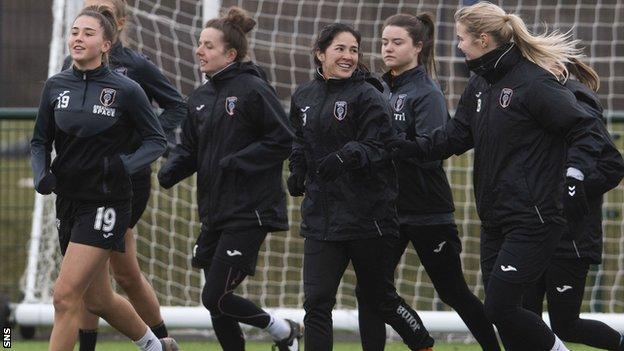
(551, 51)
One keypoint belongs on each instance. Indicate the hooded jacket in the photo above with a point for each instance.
(236, 137)
(349, 116)
(520, 121)
(418, 107)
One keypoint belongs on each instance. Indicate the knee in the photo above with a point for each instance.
(495, 312)
(563, 329)
(210, 299)
(319, 303)
(96, 304)
(65, 299)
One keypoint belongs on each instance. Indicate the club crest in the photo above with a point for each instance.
(400, 102)
(340, 110)
(505, 97)
(107, 96)
(230, 104)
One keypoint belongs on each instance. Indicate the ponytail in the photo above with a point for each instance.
(584, 73)
(106, 20)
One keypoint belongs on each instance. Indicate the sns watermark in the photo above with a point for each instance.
(6, 338)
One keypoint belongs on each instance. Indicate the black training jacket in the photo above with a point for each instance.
(157, 87)
(518, 118)
(606, 176)
(91, 116)
(350, 116)
(418, 107)
(236, 137)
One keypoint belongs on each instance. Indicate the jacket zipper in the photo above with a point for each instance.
(323, 191)
(104, 184)
(210, 143)
(86, 85)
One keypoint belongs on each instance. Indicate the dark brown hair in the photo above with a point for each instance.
(420, 28)
(235, 24)
(327, 35)
(106, 19)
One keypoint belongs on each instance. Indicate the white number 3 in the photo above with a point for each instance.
(105, 219)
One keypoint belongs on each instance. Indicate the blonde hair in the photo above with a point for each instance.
(553, 52)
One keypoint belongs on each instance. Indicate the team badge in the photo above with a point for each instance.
(121, 70)
(230, 104)
(340, 110)
(400, 102)
(505, 97)
(107, 96)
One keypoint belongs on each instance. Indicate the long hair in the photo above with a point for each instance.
(106, 19)
(420, 28)
(551, 51)
(235, 24)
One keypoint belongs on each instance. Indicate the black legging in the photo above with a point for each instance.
(438, 247)
(564, 284)
(227, 309)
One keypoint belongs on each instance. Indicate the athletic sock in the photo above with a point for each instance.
(149, 342)
(160, 330)
(88, 339)
(559, 346)
(278, 328)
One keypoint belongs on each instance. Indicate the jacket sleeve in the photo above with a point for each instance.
(430, 112)
(275, 142)
(158, 87)
(373, 131)
(43, 136)
(609, 169)
(453, 138)
(153, 139)
(297, 160)
(182, 160)
(556, 109)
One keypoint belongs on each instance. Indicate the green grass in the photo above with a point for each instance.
(256, 346)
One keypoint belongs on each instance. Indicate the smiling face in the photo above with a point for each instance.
(211, 51)
(86, 43)
(398, 50)
(340, 59)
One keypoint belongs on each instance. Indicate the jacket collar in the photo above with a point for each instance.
(495, 64)
(96, 73)
(404, 78)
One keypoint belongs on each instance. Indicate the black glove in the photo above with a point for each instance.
(296, 184)
(404, 149)
(331, 167)
(47, 184)
(575, 205)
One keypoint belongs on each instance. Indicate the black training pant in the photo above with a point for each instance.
(438, 247)
(323, 267)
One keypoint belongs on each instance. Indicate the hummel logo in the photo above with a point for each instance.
(233, 253)
(563, 288)
(107, 235)
(440, 246)
(199, 108)
(572, 190)
(508, 268)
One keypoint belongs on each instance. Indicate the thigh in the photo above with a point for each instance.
(368, 263)
(239, 248)
(436, 245)
(491, 241)
(126, 263)
(394, 248)
(324, 263)
(80, 265)
(205, 248)
(533, 298)
(526, 252)
(565, 286)
(101, 225)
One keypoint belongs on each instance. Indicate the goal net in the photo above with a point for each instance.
(167, 32)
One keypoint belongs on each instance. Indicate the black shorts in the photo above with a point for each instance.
(99, 224)
(236, 247)
(435, 244)
(141, 188)
(518, 254)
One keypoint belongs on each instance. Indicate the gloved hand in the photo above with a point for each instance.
(331, 167)
(575, 205)
(296, 184)
(47, 184)
(404, 148)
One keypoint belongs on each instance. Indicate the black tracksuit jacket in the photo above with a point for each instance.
(606, 176)
(350, 116)
(236, 137)
(418, 107)
(156, 86)
(91, 116)
(520, 120)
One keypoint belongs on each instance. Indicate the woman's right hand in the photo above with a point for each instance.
(296, 184)
(47, 184)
